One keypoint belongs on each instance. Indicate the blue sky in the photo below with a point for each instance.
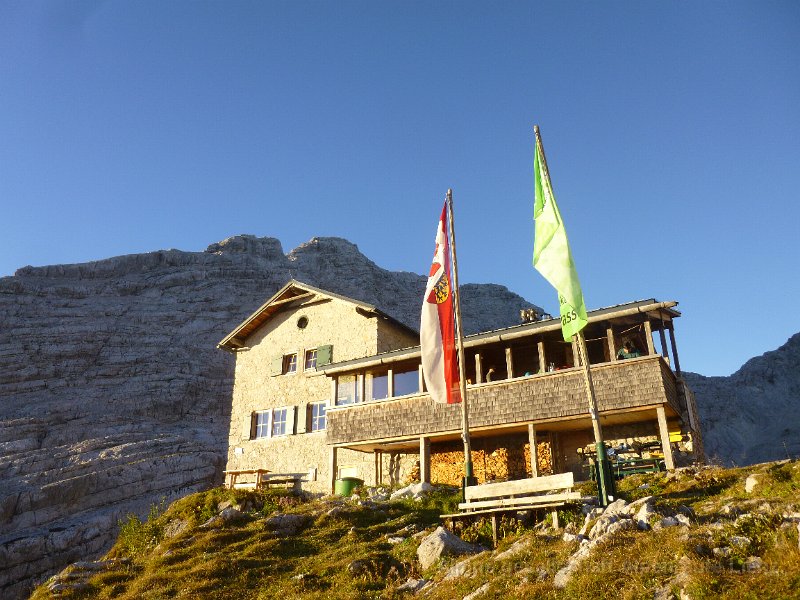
(672, 133)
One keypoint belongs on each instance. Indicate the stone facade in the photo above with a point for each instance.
(258, 386)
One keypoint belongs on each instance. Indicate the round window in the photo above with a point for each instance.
(302, 322)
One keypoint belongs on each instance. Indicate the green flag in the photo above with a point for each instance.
(551, 254)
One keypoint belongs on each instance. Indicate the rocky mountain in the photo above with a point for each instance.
(113, 395)
(753, 415)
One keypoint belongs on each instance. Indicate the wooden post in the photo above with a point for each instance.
(509, 364)
(534, 457)
(421, 380)
(612, 346)
(576, 358)
(333, 391)
(542, 361)
(332, 467)
(648, 332)
(664, 351)
(663, 431)
(361, 387)
(424, 459)
(390, 383)
(377, 467)
(674, 349)
(478, 368)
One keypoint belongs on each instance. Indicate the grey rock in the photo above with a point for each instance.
(724, 552)
(412, 585)
(752, 563)
(442, 543)
(415, 490)
(644, 515)
(739, 541)
(514, 549)
(463, 568)
(477, 593)
(286, 525)
(750, 483)
(668, 522)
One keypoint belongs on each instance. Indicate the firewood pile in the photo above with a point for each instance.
(493, 459)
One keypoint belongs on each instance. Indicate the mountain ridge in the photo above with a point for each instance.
(114, 396)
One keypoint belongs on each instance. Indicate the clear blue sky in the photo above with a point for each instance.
(672, 132)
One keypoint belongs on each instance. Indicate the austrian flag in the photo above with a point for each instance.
(437, 331)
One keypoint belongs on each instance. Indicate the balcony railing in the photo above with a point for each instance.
(621, 385)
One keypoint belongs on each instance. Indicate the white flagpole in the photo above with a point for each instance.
(469, 477)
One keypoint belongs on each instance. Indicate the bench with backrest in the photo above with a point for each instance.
(492, 499)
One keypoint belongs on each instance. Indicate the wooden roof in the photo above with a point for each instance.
(289, 295)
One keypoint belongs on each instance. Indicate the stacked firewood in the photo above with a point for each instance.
(544, 458)
(491, 461)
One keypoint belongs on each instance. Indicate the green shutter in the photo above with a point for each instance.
(302, 418)
(276, 366)
(324, 355)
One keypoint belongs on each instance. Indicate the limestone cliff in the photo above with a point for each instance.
(753, 415)
(114, 396)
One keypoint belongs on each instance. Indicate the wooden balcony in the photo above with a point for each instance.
(623, 389)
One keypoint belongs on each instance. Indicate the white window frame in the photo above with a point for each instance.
(315, 419)
(264, 426)
(275, 421)
(287, 363)
(310, 354)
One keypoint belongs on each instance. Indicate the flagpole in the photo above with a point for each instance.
(469, 478)
(603, 483)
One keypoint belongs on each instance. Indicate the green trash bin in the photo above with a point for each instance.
(346, 485)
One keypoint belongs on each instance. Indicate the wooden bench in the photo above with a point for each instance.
(493, 499)
(262, 479)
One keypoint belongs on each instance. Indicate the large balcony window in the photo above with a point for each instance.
(406, 382)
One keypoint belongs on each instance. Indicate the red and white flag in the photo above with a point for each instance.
(437, 330)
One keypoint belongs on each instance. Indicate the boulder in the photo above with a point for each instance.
(443, 543)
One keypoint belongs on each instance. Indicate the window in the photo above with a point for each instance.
(260, 425)
(317, 416)
(311, 360)
(290, 363)
(406, 382)
(347, 390)
(279, 421)
(378, 386)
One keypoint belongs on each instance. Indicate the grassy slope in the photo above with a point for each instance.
(244, 559)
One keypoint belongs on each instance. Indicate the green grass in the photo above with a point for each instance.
(346, 554)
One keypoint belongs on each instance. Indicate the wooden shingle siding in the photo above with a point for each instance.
(620, 385)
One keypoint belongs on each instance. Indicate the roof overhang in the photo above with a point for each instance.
(650, 307)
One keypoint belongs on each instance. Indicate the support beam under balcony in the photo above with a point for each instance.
(332, 466)
(425, 459)
(534, 456)
(663, 431)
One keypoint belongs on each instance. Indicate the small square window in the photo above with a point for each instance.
(317, 416)
(311, 360)
(279, 421)
(290, 363)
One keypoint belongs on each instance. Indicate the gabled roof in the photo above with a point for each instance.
(296, 291)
